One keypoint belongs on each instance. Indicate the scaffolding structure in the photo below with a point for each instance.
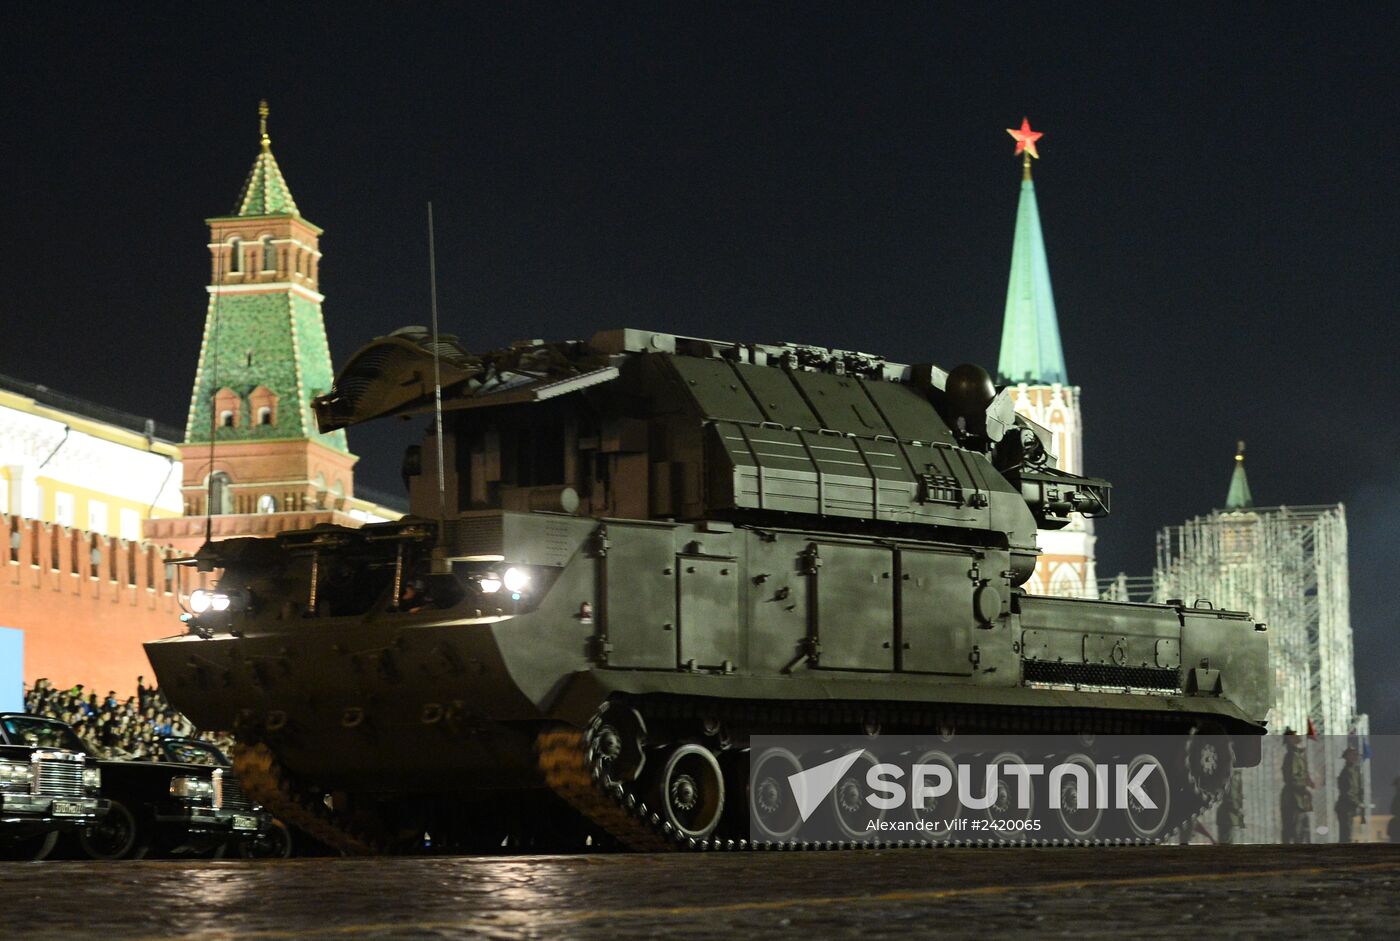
(1286, 566)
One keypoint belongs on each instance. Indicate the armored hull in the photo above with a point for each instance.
(648, 550)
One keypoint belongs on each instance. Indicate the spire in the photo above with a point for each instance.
(265, 192)
(1030, 333)
(1239, 497)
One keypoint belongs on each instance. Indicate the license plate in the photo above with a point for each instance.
(67, 809)
(241, 822)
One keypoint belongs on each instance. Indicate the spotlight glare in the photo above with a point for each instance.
(516, 579)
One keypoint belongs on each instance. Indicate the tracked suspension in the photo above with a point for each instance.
(582, 766)
(265, 781)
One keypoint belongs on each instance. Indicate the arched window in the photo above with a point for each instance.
(265, 415)
(267, 503)
(1066, 583)
(226, 419)
(269, 254)
(235, 249)
(221, 493)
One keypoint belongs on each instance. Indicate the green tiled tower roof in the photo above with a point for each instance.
(1030, 333)
(272, 339)
(265, 191)
(1239, 497)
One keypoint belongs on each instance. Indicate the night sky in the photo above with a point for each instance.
(1217, 190)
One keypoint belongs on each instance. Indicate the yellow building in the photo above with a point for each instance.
(82, 465)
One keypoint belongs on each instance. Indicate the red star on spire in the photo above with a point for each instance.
(1025, 138)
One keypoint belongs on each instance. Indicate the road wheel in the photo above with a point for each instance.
(1148, 821)
(29, 848)
(688, 791)
(855, 817)
(937, 816)
(1013, 805)
(116, 835)
(773, 813)
(1074, 811)
(618, 743)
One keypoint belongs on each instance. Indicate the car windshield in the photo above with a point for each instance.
(194, 753)
(41, 733)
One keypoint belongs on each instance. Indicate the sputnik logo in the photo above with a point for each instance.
(811, 787)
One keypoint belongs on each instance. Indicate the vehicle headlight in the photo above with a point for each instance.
(219, 602)
(15, 774)
(515, 579)
(92, 778)
(191, 788)
(490, 584)
(201, 600)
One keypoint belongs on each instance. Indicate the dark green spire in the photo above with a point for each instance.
(1239, 497)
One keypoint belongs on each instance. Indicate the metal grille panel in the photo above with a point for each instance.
(60, 779)
(233, 793)
(1101, 674)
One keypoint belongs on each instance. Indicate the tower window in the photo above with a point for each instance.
(227, 405)
(248, 358)
(235, 247)
(269, 254)
(262, 403)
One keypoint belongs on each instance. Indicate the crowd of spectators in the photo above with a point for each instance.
(116, 728)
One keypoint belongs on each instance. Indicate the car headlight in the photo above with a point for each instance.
(515, 579)
(191, 788)
(16, 774)
(201, 600)
(490, 584)
(92, 778)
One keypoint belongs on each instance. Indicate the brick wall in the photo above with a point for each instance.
(87, 602)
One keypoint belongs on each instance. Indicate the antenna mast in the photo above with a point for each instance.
(437, 381)
(214, 393)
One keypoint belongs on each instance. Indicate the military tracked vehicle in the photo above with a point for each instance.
(645, 549)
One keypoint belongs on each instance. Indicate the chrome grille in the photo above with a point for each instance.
(233, 793)
(58, 777)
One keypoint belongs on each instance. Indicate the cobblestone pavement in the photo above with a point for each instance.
(1105, 892)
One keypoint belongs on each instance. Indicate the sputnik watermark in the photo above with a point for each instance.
(933, 782)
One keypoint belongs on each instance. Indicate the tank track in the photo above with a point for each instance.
(265, 781)
(573, 766)
(572, 770)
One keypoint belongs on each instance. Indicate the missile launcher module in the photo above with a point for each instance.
(645, 549)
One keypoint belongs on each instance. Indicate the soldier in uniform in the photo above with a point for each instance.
(1295, 800)
(1229, 815)
(1351, 799)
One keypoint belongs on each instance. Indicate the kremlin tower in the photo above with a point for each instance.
(255, 463)
(1032, 364)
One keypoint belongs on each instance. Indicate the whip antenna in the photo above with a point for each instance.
(437, 381)
(214, 390)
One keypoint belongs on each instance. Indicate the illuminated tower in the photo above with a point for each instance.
(1287, 566)
(1032, 363)
(252, 452)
